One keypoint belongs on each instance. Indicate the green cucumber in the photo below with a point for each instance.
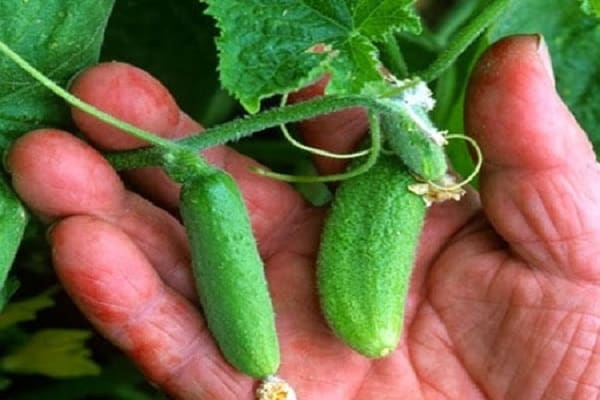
(13, 220)
(423, 155)
(407, 128)
(366, 256)
(229, 273)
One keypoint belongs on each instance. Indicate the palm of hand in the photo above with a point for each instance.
(501, 315)
(481, 324)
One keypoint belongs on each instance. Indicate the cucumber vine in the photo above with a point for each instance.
(239, 128)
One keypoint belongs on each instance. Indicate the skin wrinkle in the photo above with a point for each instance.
(478, 382)
(539, 220)
(128, 216)
(189, 356)
(445, 341)
(544, 238)
(137, 314)
(495, 364)
(563, 357)
(360, 387)
(581, 351)
(550, 339)
(589, 366)
(522, 370)
(228, 384)
(578, 379)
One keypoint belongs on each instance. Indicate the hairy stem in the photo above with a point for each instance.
(239, 128)
(393, 58)
(463, 39)
(88, 108)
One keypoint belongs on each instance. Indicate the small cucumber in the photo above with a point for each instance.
(229, 273)
(366, 255)
(407, 128)
(13, 220)
(423, 156)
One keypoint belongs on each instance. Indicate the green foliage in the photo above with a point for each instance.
(274, 47)
(574, 42)
(58, 353)
(591, 7)
(118, 380)
(60, 37)
(26, 310)
(10, 287)
(13, 220)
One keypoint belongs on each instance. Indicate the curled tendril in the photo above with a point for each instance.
(446, 188)
(475, 171)
(315, 150)
(372, 154)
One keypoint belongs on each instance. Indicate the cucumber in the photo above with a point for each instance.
(366, 255)
(420, 153)
(13, 220)
(229, 273)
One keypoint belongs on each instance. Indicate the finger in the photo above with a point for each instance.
(58, 175)
(338, 132)
(118, 290)
(134, 96)
(539, 181)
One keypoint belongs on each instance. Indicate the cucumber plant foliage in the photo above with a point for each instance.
(271, 48)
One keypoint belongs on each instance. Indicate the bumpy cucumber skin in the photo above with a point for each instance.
(366, 255)
(230, 274)
(13, 220)
(422, 155)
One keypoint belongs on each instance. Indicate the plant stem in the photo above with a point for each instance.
(463, 39)
(239, 128)
(156, 140)
(393, 58)
(456, 17)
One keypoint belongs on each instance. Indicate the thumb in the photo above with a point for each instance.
(539, 183)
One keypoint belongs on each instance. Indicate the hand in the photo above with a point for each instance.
(504, 300)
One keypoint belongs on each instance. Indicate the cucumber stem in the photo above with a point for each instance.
(80, 104)
(463, 39)
(243, 127)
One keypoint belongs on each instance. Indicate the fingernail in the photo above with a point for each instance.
(544, 54)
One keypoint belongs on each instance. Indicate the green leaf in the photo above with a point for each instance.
(13, 220)
(26, 310)
(10, 287)
(591, 7)
(4, 383)
(119, 380)
(58, 353)
(574, 42)
(276, 46)
(60, 37)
